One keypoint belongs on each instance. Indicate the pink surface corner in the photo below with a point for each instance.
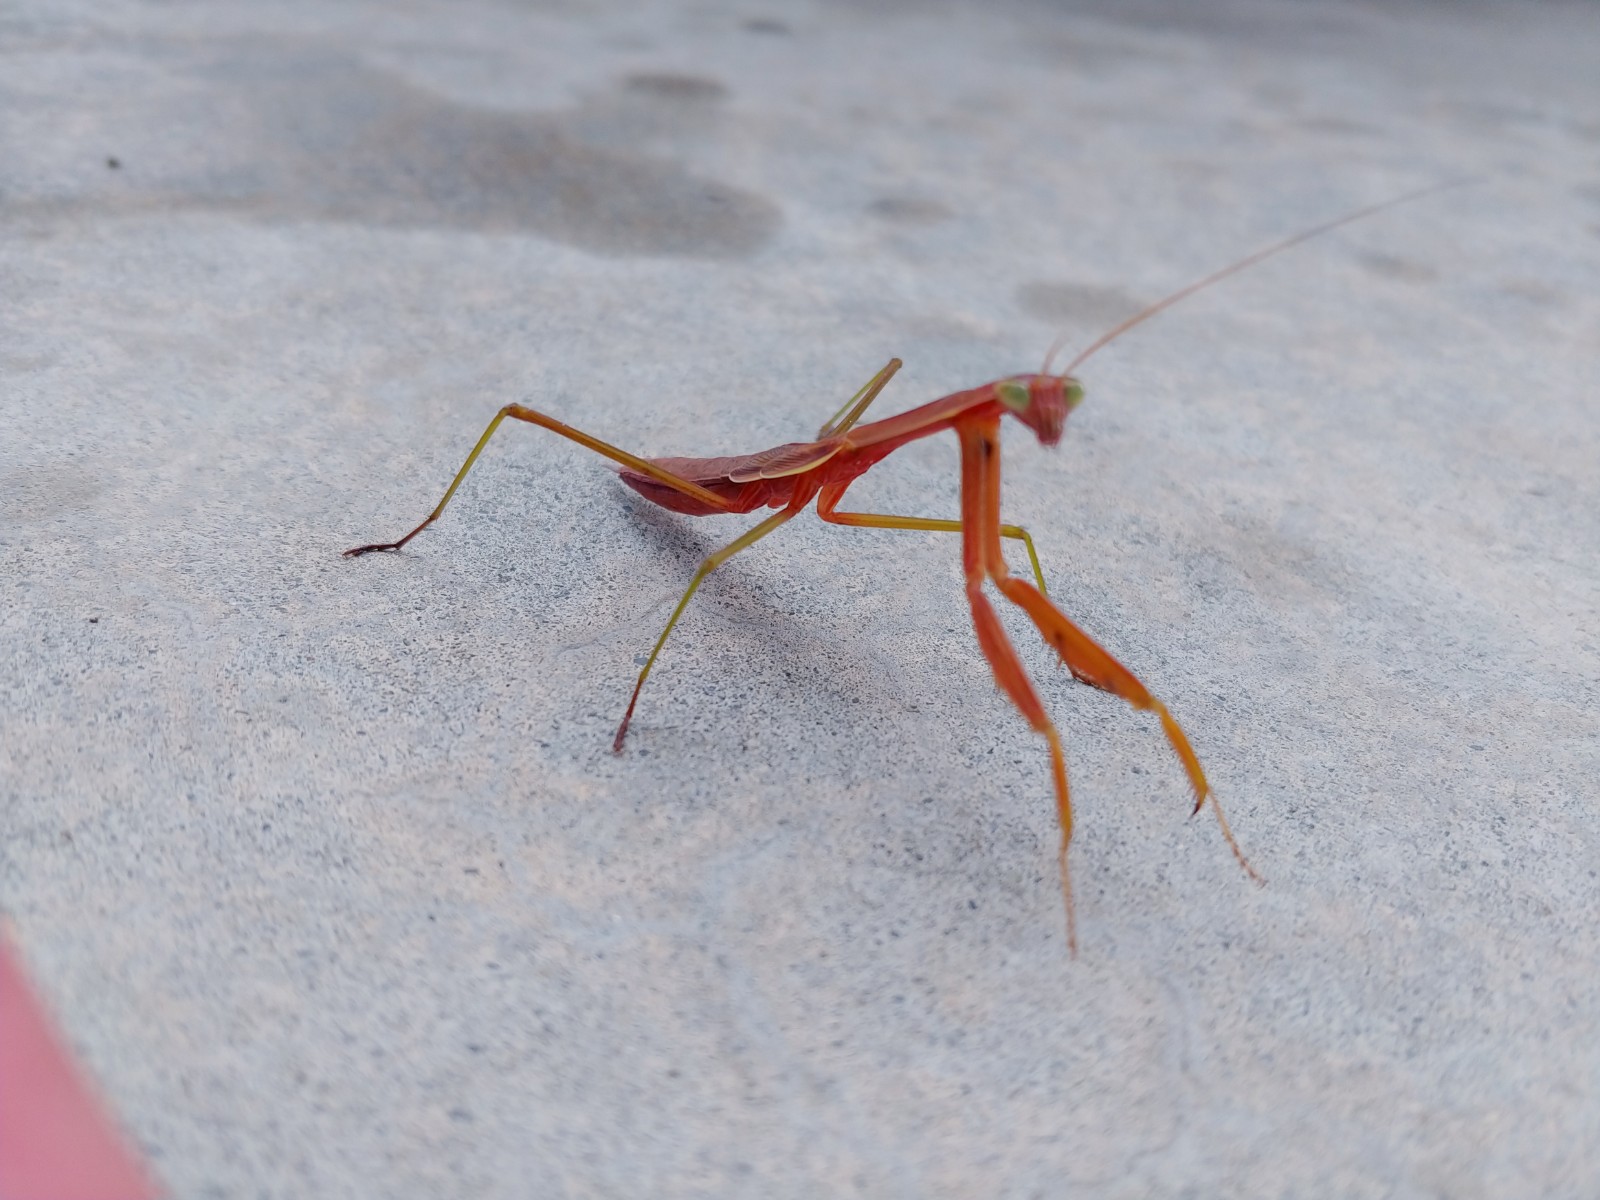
(56, 1141)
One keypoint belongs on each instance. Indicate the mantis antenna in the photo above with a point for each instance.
(1139, 318)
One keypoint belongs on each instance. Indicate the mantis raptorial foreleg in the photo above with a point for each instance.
(522, 413)
(1093, 664)
(711, 563)
(982, 561)
(1014, 682)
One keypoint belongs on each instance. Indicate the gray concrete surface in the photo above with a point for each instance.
(327, 865)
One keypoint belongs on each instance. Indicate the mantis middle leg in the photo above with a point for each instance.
(832, 494)
(711, 563)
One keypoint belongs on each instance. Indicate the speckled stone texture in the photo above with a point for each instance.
(326, 865)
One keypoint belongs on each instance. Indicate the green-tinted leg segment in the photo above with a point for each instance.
(534, 417)
(884, 521)
(855, 407)
(711, 563)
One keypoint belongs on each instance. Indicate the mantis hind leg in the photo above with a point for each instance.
(855, 407)
(533, 416)
(711, 563)
(1094, 665)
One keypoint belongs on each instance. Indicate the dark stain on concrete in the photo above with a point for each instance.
(909, 210)
(656, 113)
(1393, 266)
(1076, 303)
(1338, 126)
(1535, 292)
(295, 134)
(1294, 30)
(678, 89)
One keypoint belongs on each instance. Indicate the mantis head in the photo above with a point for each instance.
(1041, 402)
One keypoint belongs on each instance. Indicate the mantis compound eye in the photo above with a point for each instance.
(1072, 393)
(1013, 395)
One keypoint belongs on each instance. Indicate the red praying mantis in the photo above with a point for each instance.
(791, 476)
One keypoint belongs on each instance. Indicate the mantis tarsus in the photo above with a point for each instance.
(791, 476)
